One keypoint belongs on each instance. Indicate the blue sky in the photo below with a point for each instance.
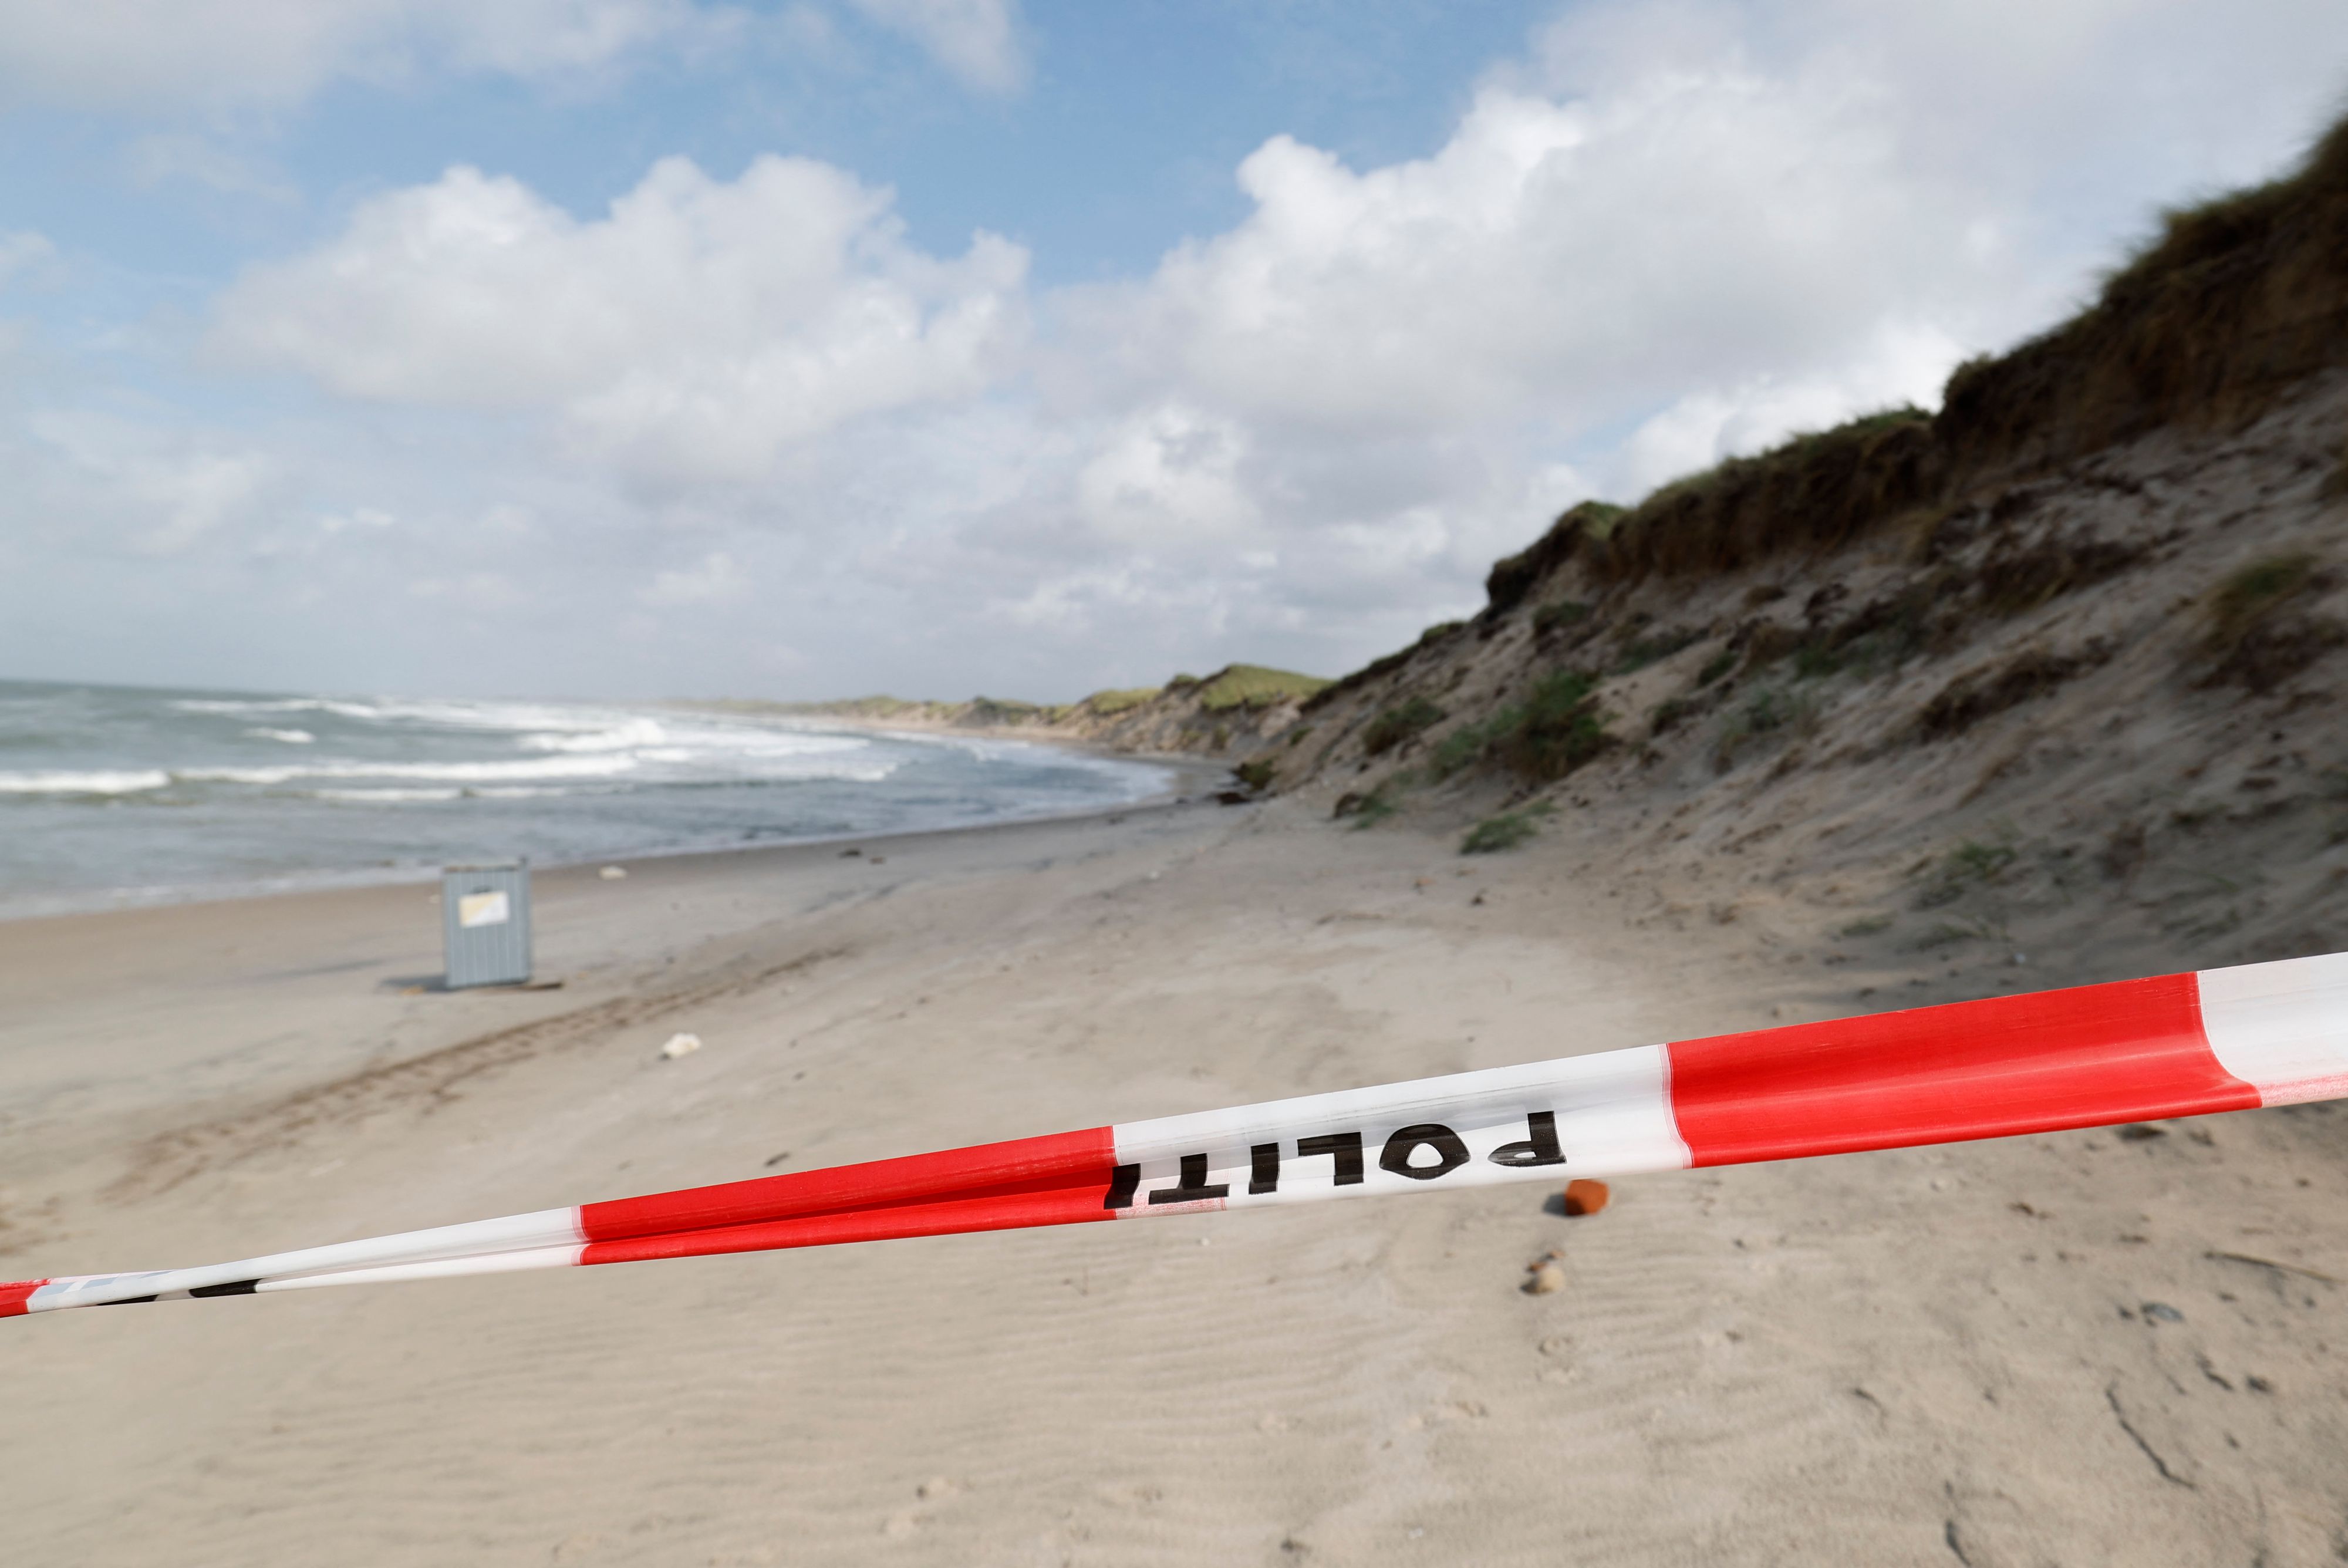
(634, 348)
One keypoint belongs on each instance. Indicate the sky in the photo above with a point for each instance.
(639, 348)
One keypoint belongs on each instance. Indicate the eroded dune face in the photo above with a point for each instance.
(2062, 669)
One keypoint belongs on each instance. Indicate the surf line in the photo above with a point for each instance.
(2132, 1050)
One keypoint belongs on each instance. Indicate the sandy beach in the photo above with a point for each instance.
(2018, 1352)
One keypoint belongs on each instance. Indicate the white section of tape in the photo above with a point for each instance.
(546, 1227)
(2281, 1028)
(1611, 1115)
(500, 1263)
(94, 1290)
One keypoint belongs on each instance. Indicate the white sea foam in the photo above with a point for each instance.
(448, 772)
(290, 736)
(244, 705)
(119, 782)
(618, 737)
(447, 713)
(385, 796)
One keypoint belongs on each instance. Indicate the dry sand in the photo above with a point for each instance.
(1922, 1357)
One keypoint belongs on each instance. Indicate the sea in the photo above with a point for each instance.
(117, 795)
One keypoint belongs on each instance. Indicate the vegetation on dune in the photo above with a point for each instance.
(1106, 703)
(2254, 592)
(1463, 747)
(2336, 483)
(2034, 672)
(1516, 576)
(2232, 300)
(1253, 686)
(1375, 806)
(1638, 653)
(1556, 729)
(1556, 617)
(1970, 864)
(1504, 831)
(879, 705)
(989, 710)
(1769, 712)
(1817, 490)
(2256, 635)
(1396, 725)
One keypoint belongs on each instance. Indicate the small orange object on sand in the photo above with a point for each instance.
(1585, 1197)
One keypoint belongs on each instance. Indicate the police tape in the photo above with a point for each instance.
(2134, 1051)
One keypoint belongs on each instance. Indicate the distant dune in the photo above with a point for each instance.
(1228, 713)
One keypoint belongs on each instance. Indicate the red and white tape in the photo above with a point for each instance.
(2181, 1045)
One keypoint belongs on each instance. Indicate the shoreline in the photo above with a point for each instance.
(1193, 775)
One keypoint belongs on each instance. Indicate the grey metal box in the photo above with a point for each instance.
(485, 925)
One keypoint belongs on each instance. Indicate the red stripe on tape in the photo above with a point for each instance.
(1063, 1160)
(2090, 1055)
(12, 1296)
(994, 1212)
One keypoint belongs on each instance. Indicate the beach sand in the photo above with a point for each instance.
(1919, 1356)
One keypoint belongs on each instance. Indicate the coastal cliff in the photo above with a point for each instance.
(1948, 683)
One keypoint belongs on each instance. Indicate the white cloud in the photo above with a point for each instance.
(715, 578)
(694, 332)
(363, 518)
(1554, 260)
(470, 590)
(1675, 231)
(1169, 475)
(161, 56)
(167, 491)
(977, 40)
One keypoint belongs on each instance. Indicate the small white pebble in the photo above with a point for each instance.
(680, 1046)
(613, 873)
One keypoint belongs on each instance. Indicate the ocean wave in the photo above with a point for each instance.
(450, 712)
(247, 705)
(386, 796)
(119, 782)
(290, 736)
(430, 772)
(635, 732)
